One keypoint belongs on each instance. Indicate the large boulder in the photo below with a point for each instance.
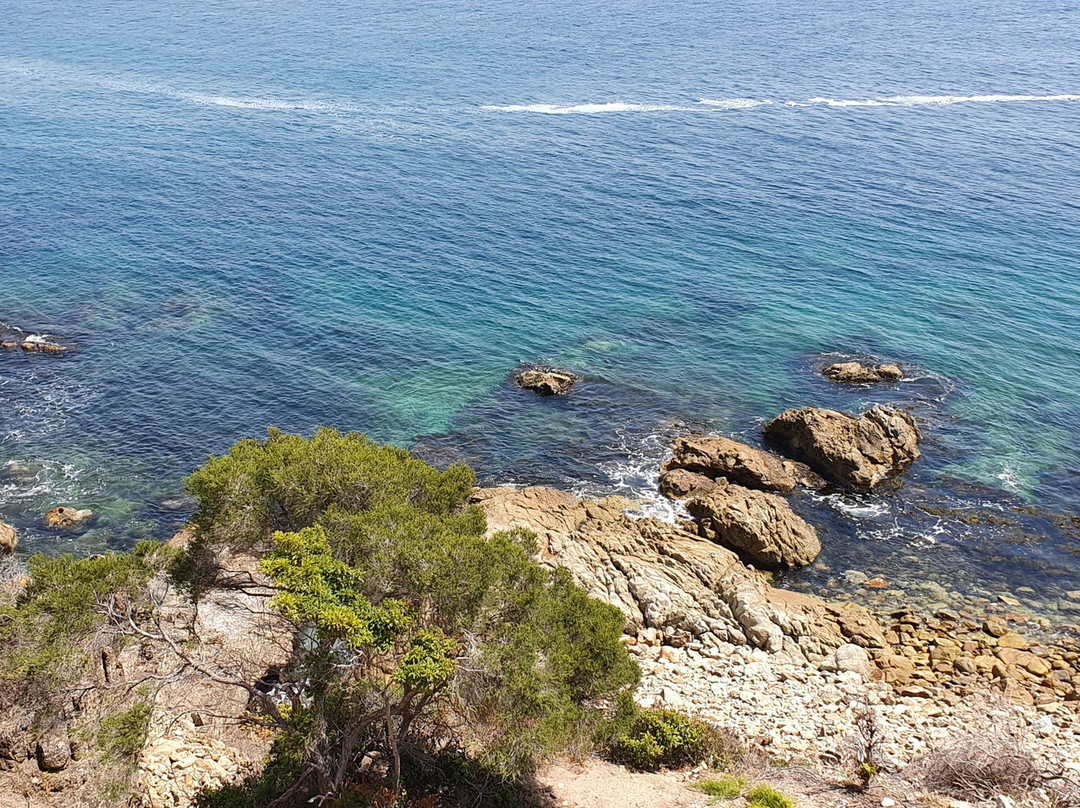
(546, 382)
(65, 518)
(54, 750)
(678, 483)
(858, 453)
(716, 456)
(667, 578)
(760, 527)
(8, 540)
(858, 373)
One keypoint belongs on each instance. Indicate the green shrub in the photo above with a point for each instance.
(766, 797)
(648, 739)
(122, 735)
(409, 610)
(727, 787)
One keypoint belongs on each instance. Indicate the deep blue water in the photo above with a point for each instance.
(368, 213)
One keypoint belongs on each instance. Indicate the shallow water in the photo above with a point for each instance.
(366, 214)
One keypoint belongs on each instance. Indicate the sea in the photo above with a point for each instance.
(367, 214)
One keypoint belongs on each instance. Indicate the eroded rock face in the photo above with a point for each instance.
(546, 382)
(667, 578)
(760, 527)
(716, 456)
(8, 540)
(66, 518)
(680, 483)
(858, 453)
(858, 373)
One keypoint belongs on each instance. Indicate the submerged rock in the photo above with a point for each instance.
(760, 527)
(858, 453)
(546, 382)
(8, 540)
(716, 456)
(666, 578)
(858, 373)
(65, 518)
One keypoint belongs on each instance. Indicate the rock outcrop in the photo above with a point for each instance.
(760, 527)
(8, 539)
(680, 483)
(858, 453)
(715, 456)
(65, 518)
(666, 579)
(858, 373)
(546, 382)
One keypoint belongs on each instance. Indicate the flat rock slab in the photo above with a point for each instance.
(715, 456)
(858, 373)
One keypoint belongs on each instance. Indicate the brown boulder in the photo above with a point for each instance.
(661, 576)
(680, 483)
(717, 456)
(54, 751)
(858, 373)
(65, 518)
(546, 382)
(858, 453)
(760, 527)
(8, 540)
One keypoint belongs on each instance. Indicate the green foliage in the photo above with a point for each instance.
(727, 787)
(122, 735)
(405, 605)
(287, 482)
(648, 739)
(765, 797)
(45, 630)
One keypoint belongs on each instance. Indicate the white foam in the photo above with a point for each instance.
(586, 109)
(734, 103)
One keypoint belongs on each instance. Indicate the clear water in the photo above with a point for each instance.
(367, 213)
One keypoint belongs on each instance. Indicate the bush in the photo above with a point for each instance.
(122, 735)
(766, 797)
(648, 739)
(726, 787)
(411, 615)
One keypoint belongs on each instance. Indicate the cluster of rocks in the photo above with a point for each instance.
(175, 769)
(809, 712)
(12, 339)
(733, 491)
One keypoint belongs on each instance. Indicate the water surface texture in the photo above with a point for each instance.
(367, 214)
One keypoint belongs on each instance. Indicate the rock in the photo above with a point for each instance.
(662, 576)
(995, 627)
(546, 382)
(851, 658)
(1001, 801)
(716, 456)
(760, 527)
(680, 483)
(65, 518)
(53, 751)
(1013, 640)
(8, 539)
(858, 373)
(858, 453)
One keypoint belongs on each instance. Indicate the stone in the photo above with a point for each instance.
(716, 456)
(660, 575)
(851, 658)
(54, 751)
(1001, 801)
(546, 382)
(858, 453)
(680, 483)
(1013, 640)
(8, 539)
(760, 527)
(995, 627)
(66, 518)
(858, 373)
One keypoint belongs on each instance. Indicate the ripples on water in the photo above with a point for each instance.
(367, 215)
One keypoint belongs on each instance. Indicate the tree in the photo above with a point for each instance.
(416, 631)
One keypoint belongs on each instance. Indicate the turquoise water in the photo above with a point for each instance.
(367, 214)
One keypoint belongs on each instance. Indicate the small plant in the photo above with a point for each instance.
(727, 787)
(865, 743)
(122, 735)
(766, 797)
(647, 739)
